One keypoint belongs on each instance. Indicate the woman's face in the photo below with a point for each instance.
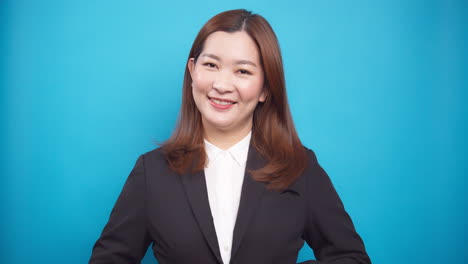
(227, 81)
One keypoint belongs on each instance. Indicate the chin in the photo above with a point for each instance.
(219, 124)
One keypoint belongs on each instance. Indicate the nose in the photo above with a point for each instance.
(223, 82)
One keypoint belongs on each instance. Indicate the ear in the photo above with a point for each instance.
(263, 95)
(191, 66)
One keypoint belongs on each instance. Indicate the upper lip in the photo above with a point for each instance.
(222, 99)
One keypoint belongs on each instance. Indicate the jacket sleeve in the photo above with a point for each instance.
(329, 230)
(125, 238)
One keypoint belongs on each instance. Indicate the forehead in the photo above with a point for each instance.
(236, 45)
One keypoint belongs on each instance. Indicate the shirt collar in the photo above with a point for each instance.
(238, 151)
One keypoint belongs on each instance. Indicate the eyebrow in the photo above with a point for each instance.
(209, 55)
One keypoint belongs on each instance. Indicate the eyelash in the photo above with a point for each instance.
(245, 72)
(212, 65)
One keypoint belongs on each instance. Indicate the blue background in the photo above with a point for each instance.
(377, 89)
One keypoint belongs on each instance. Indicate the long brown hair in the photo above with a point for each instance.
(273, 133)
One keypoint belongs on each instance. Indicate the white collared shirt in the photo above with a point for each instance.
(224, 176)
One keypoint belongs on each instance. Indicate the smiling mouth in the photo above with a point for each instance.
(221, 101)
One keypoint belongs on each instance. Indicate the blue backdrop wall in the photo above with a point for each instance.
(377, 89)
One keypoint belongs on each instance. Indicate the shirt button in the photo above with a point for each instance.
(226, 248)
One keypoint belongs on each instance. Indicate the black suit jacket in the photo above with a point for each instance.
(172, 212)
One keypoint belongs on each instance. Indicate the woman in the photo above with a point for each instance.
(233, 184)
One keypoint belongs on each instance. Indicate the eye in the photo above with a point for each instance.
(242, 71)
(210, 65)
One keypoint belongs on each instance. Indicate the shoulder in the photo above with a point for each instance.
(313, 169)
(155, 154)
(153, 159)
(301, 185)
(311, 157)
(318, 183)
(315, 177)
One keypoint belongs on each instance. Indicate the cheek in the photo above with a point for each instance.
(201, 81)
(250, 89)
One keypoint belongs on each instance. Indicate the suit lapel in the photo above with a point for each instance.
(197, 194)
(251, 195)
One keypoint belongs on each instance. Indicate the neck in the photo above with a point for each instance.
(224, 139)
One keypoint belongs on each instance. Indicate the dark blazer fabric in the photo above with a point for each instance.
(172, 213)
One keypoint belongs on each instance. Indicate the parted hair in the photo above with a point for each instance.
(273, 134)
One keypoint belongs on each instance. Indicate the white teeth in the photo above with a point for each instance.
(221, 102)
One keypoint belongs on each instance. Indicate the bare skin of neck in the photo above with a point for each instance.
(226, 138)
